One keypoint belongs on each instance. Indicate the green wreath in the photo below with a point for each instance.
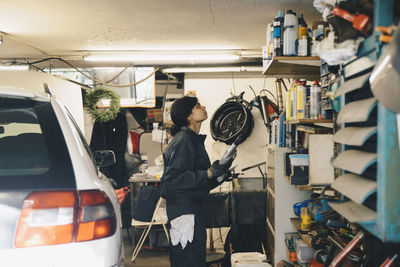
(102, 114)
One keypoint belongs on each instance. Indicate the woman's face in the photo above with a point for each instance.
(198, 114)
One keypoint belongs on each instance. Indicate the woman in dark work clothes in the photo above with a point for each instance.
(187, 180)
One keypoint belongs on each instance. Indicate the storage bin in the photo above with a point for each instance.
(249, 259)
(299, 159)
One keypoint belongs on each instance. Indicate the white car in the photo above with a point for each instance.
(56, 208)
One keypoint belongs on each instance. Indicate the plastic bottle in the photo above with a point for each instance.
(282, 27)
(308, 103)
(302, 37)
(278, 23)
(290, 34)
(301, 99)
(288, 103)
(269, 40)
(305, 220)
(315, 100)
(293, 100)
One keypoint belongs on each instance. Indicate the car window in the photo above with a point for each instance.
(33, 151)
(22, 147)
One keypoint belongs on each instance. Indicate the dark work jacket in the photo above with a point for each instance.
(185, 184)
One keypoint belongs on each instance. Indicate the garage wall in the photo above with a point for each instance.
(212, 93)
(66, 92)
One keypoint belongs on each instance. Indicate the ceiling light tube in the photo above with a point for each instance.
(14, 67)
(163, 57)
(214, 69)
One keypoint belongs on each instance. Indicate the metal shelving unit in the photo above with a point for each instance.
(370, 156)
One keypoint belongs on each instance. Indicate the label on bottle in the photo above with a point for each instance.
(302, 32)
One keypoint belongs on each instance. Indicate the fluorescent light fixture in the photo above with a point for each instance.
(163, 58)
(14, 67)
(214, 69)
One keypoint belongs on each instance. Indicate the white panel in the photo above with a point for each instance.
(354, 136)
(354, 187)
(352, 84)
(356, 111)
(354, 212)
(320, 152)
(354, 161)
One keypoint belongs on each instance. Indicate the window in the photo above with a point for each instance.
(22, 146)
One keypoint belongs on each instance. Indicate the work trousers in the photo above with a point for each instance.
(194, 254)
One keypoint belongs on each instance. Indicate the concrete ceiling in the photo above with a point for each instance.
(75, 28)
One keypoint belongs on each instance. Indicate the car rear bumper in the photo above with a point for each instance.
(106, 252)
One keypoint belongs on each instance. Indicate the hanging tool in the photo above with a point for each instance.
(361, 22)
(278, 85)
(266, 107)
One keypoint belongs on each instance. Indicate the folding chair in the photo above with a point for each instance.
(147, 228)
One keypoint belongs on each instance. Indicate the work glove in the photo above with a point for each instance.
(218, 170)
(224, 177)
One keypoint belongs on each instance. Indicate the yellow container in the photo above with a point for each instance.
(288, 106)
(301, 99)
(305, 219)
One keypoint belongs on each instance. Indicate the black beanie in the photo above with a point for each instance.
(181, 109)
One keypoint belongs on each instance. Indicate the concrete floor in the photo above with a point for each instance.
(146, 258)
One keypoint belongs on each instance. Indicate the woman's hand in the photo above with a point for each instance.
(217, 170)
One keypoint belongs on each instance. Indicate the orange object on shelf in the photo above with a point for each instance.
(291, 255)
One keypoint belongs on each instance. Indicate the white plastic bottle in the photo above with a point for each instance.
(290, 34)
(315, 103)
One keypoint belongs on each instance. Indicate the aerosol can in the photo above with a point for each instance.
(293, 100)
(301, 99)
(315, 103)
(289, 102)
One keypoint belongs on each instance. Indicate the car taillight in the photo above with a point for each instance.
(96, 216)
(58, 217)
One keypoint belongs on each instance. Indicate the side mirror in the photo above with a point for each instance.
(104, 158)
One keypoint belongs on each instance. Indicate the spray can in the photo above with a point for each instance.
(290, 34)
(278, 25)
(303, 37)
(315, 102)
(288, 104)
(293, 100)
(301, 99)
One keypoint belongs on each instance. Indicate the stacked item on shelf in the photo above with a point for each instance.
(289, 35)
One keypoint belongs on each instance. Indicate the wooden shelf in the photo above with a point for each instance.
(293, 67)
(306, 238)
(308, 121)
